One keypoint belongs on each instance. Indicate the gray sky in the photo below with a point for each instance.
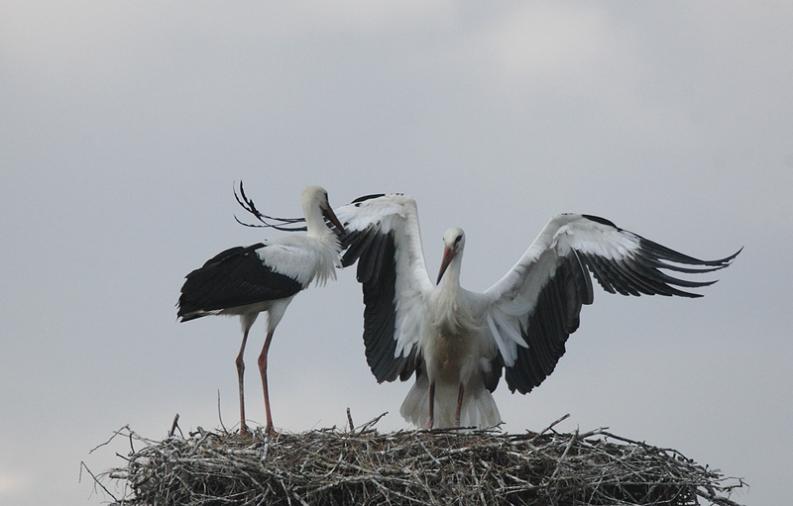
(124, 124)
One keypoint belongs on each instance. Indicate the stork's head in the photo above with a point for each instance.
(453, 244)
(316, 198)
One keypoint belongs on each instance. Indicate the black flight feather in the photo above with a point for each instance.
(234, 277)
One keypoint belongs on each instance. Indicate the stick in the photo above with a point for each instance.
(220, 416)
(112, 437)
(349, 420)
(174, 425)
(96, 480)
(554, 424)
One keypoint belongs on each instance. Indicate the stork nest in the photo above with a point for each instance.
(361, 466)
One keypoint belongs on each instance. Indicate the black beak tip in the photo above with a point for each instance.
(447, 259)
(328, 213)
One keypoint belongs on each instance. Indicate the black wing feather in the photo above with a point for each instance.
(555, 316)
(354, 243)
(377, 274)
(234, 277)
(641, 272)
(491, 377)
(556, 313)
(367, 197)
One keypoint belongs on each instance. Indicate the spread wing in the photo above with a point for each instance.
(532, 310)
(382, 235)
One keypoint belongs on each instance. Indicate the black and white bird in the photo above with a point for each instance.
(264, 277)
(456, 341)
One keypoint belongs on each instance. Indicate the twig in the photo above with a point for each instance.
(372, 422)
(444, 466)
(573, 438)
(174, 426)
(96, 480)
(554, 424)
(349, 420)
(220, 415)
(111, 438)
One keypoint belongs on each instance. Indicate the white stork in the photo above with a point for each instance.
(264, 277)
(457, 341)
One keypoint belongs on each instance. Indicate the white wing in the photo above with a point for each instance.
(383, 237)
(300, 258)
(532, 310)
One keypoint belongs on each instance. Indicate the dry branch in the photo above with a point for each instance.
(364, 467)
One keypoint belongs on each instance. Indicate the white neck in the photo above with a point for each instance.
(450, 313)
(325, 245)
(315, 223)
(450, 282)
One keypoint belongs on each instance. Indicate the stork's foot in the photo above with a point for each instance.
(245, 432)
(270, 431)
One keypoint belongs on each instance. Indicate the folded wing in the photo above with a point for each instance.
(235, 277)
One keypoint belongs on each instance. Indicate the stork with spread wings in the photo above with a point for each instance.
(458, 342)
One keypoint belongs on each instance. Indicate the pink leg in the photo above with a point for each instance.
(432, 405)
(263, 370)
(240, 372)
(459, 405)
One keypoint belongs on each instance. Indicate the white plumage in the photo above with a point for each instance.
(457, 342)
(265, 277)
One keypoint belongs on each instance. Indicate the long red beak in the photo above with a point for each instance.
(329, 214)
(448, 255)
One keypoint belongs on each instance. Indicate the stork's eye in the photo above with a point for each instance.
(458, 239)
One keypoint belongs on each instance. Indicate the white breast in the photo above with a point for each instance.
(450, 346)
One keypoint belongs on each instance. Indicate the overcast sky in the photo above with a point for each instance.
(123, 126)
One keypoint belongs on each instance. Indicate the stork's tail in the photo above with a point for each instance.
(479, 408)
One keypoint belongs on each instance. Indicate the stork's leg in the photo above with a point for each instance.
(432, 405)
(459, 405)
(240, 372)
(263, 371)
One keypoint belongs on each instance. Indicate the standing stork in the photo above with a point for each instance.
(264, 277)
(457, 341)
